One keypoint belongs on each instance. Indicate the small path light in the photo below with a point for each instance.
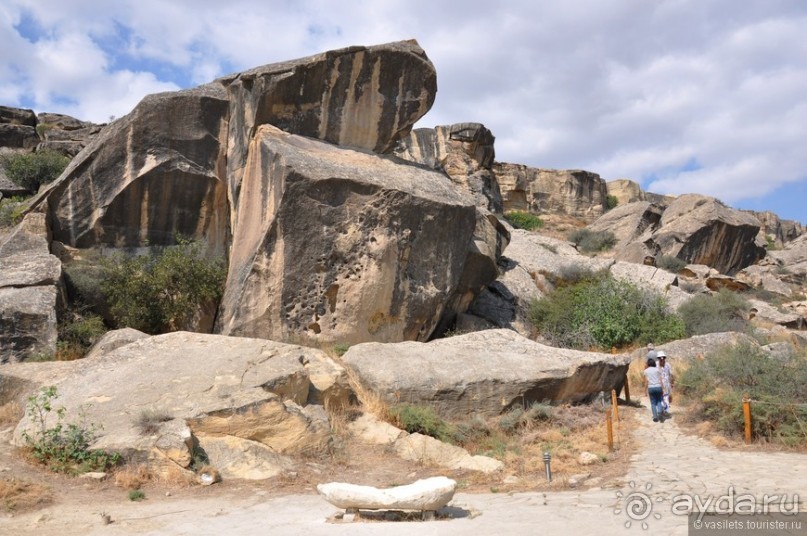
(548, 465)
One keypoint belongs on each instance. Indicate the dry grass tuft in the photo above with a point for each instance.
(719, 441)
(17, 495)
(371, 401)
(133, 476)
(10, 413)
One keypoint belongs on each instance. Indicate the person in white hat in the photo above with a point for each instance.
(666, 379)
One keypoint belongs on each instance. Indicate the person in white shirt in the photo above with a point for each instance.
(666, 379)
(652, 384)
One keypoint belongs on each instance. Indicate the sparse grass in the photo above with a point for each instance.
(371, 402)
(423, 420)
(523, 220)
(148, 421)
(11, 210)
(611, 202)
(691, 286)
(340, 349)
(136, 495)
(18, 495)
(670, 263)
(589, 241)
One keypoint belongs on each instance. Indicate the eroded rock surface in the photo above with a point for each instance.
(428, 494)
(485, 372)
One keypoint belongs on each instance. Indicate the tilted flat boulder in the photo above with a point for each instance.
(486, 372)
(551, 191)
(633, 225)
(702, 230)
(183, 383)
(426, 495)
(427, 450)
(340, 245)
(114, 339)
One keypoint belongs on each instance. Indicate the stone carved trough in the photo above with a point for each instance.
(427, 495)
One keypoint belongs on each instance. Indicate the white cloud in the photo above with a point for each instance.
(627, 88)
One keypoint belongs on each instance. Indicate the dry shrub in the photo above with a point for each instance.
(719, 441)
(133, 476)
(10, 413)
(18, 495)
(371, 401)
(704, 429)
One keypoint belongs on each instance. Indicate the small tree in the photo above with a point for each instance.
(31, 170)
(163, 291)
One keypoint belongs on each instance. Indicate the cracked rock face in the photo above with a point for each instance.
(342, 245)
(230, 393)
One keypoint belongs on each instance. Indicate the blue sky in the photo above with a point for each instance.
(679, 95)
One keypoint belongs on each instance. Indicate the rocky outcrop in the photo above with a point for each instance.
(112, 340)
(577, 193)
(18, 136)
(486, 373)
(697, 346)
(774, 230)
(21, 129)
(30, 288)
(633, 225)
(339, 245)
(793, 257)
(761, 310)
(702, 230)
(627, 191)
(693, 228)
(249, 393)
(464, 151)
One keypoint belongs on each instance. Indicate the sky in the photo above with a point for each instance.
(682, 96)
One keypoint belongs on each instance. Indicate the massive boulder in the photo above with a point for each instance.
(774, 230)
(702, 230)
(360, 248)
(793, 256)
(341, 245)
(171, 395)
(29, 292)
(694, 228)
(577, 193)
(485, 373)
(17, 116)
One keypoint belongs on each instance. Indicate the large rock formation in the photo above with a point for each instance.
(702, 230)
(29, 292)
(774, 230)
(485, 373)
(695, 228)
(334, 244)
(342, 245)
(250, 393)
(22, 129)
(550, 191)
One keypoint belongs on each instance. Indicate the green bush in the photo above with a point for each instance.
(77, 334)
(719, 382)
(589, 241)
(164, 290)
(670, 263)
(603, 312)
(11, 210)
(611, 202)
(715, 313)
(31, 170)
(136, 495)
(423, 420)
(63, 447)
(523, 220)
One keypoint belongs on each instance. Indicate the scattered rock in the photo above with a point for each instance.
(575, 481)
(371, 430)
(587, 458)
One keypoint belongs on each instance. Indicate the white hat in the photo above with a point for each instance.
(660, 354)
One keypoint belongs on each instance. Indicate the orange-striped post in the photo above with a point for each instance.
(747, 413)
(609, 426)
(614, 404)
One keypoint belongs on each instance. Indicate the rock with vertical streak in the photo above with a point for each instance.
(336, 245)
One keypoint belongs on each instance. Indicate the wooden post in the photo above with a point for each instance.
(610, 428)
(614, 404)
(627, 390)
(747, 413)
